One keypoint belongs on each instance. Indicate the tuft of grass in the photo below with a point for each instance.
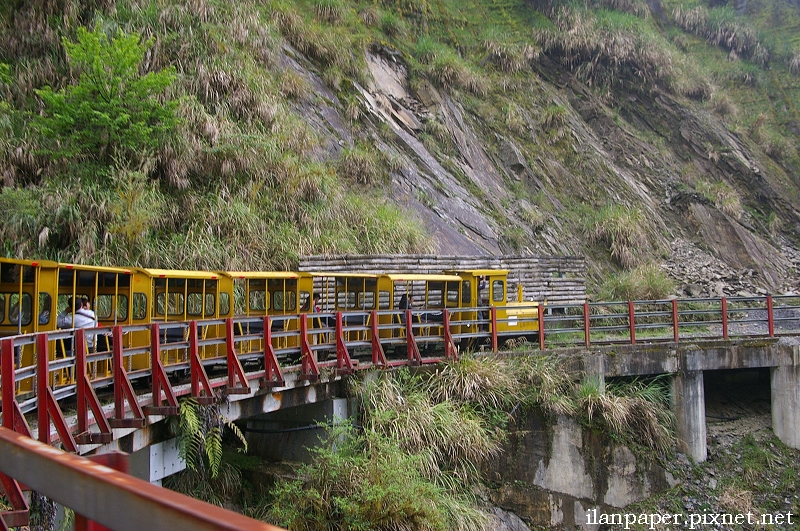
(360, 165)
(451, 437)
(545, 384)
(366, 481)
(621, 229)
(637, 412)
(607, 49)
(331, 11)
(723, 196)
(481, 380)
(507, 56)
(721, 27)
(646, 282)
(392, 25)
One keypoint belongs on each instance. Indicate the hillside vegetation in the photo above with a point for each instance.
(211, 134)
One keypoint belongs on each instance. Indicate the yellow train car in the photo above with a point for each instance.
(167, 296)
(33, 294)
(489, 287)
(280, 294)
(427, 295)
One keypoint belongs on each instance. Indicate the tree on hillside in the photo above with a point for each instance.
(112, 112)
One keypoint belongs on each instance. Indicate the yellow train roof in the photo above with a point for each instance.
(266, 274)
(177, 273)
(437, 277)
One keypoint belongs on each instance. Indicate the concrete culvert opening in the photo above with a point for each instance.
(738, 403)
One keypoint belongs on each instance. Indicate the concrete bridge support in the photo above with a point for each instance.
(785, 389)
(690, 413)
(286, 435)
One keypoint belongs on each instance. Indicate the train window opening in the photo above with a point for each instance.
(211, 305)
(498, 291)
(139, 306)
(174, 303)
(194, 304)
(466, 294)
(366, 300)
(10, 273)
(2, 307)
(345, 300)
(224, 303)
(284, 301)
(258, 300)
(173, 282)
(434, 296)
(14, 309)
(45, 308)
(452, 295)
(104, 306)
(87, 279)
(305, 302)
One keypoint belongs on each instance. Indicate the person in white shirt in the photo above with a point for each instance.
(82, 317)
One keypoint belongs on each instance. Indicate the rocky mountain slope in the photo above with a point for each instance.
(627, 132)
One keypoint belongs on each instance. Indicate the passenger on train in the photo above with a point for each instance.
(44, 314)
(406, 303)
(82, 317)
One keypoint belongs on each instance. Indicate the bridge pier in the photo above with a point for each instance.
(286, 434)
(688, 392)
(785, 390)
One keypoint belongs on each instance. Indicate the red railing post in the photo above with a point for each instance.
(79, 350)
(273, 377)
(378, 355)
(493, 313)
(724, 312)
(541, 325)
(632, 321)
(123, 388)
(8, 381)
(414, 356)
(449, 345)
(675, 322)
(235, 369)
(770, 317)
(586, 332)
(308, 365)
(344, 363)
(43, 388)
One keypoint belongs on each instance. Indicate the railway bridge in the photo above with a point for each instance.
(121, 409)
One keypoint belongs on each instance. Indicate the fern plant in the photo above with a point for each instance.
(200, 429)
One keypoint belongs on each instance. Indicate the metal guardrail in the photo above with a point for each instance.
(107, 496)
(341, 342)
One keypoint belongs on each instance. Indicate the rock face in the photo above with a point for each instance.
(483, 190)
(553, 475)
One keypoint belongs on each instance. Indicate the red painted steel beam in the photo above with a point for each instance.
(378, 355)
(414, 356)
(309, 368)
(160, 380)
(494, 328)
(724, 312)
(200, 380)
(123, 390)
(235, 369)
(109, 497)
(273, 377)
(675, 321)
(632, 321)
(344, 364)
